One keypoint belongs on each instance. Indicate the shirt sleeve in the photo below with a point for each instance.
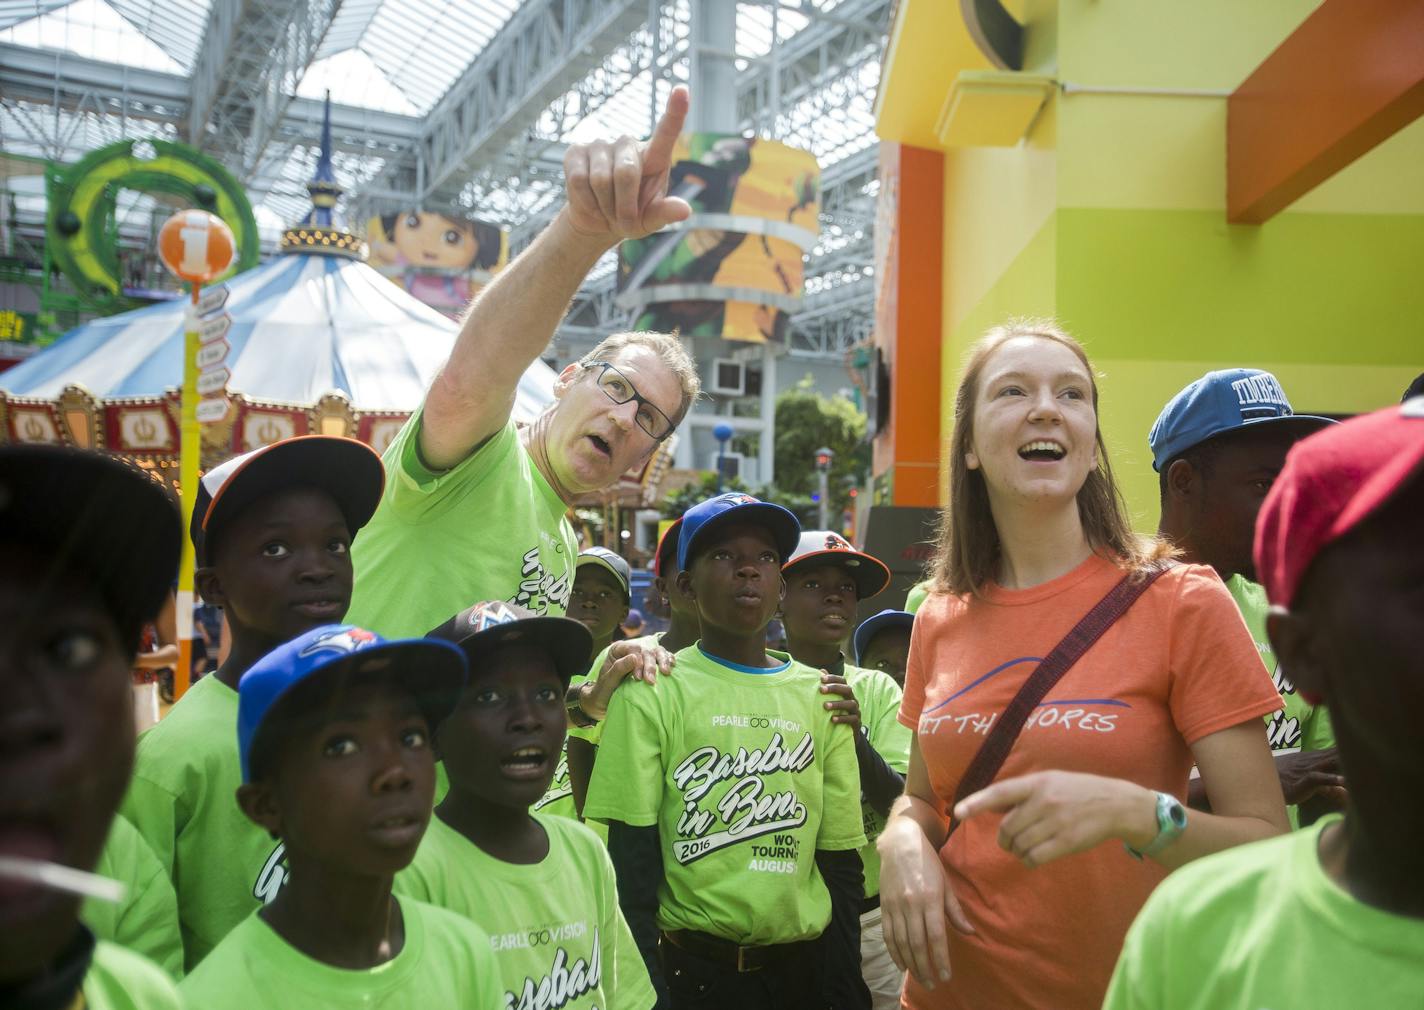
(146, 922)
(416, 493)
(153, 811)
(1216, 677)
(912, 702)
(841, 823)
(1318, 734)
(627, 782)
(890, 739)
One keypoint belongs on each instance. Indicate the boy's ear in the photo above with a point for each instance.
(210, 586)
(684, 584)
(1181, 480)
(258, 801)
(781, 591)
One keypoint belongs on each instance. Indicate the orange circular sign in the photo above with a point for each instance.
(195, 246)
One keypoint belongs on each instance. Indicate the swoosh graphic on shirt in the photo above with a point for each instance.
(1015, 662)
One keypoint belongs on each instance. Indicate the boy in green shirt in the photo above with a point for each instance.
(88, 548)
(1333, 915)
(1217, 446)
(601, 594)
(731, 797)
(272, 533)
(541, 886)
(333, 731)
(825, 580)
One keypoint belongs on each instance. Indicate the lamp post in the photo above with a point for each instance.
(722, 433)
(824, 458)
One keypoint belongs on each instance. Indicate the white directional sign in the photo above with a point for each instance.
(212, 410)
(211, 299)
(212, 354)
(213, 328)
(213, 380)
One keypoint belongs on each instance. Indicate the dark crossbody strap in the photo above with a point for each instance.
(996, 746)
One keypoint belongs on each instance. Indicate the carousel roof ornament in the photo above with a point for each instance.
(320, 233)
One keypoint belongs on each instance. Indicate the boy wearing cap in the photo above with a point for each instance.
(88, 548)
(599, 602)
(585, 732)
(1342, 902)
(272, 533)
(541, 886)
(825, 580)
(1218, 446)
(333, 730)
(730, 795)
(882, 642)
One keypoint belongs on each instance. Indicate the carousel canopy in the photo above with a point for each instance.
(303, 325)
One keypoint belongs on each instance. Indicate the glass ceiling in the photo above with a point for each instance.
(400, 57)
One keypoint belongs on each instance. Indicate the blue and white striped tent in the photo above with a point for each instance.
(303, 325)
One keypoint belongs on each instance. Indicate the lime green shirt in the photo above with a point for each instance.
(491, 528)
(445, 962)
(745, 777)
(183, 802)
(879, 698)
(1261, 925)
(1300, 726)
(555, 929)
(146, 921)
(558, 799)
(119, 979)
(917, 595)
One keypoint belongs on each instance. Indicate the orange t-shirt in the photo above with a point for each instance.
(1176, 667)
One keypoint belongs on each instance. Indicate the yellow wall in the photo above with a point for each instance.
(1110, 214)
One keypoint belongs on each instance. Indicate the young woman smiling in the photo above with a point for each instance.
(1028, 903)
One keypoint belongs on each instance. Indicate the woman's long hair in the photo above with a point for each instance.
(968, 552)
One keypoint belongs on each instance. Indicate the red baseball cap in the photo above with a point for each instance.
(1333, 481)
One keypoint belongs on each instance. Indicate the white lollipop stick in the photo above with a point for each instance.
(62, 878)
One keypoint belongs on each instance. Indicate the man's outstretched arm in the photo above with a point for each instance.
(615, 190)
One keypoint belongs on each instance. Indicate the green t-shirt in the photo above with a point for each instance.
(555, 929)
(491, 528)
(119, 979)
(879, 698)
(917, 595)
(183, 801)
(558, 799)
(445, 962)
(146, 921)
(1261, 925)
(1300, 726)
(745, 777)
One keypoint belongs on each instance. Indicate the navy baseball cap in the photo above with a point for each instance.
(348, 470)
(481, 629)
(433, 671)
(1219, 402)
(706, 517)
(872, 626)
(611, 562)
(824, 547)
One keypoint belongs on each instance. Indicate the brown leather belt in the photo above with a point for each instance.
(732, 954)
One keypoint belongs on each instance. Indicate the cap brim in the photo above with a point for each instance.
(785, 528)
(432, 671)
(567, 641)
(870, 573)
(348, 470)
(877, 623)
(96, 514)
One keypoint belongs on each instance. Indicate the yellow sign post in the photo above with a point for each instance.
(196, 246)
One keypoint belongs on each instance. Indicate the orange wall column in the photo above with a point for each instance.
(908, 320)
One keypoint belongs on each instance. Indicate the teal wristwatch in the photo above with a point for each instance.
(1171, 822)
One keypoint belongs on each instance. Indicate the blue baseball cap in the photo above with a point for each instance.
(706, 517)
(433, 671)
(872, 626)
(1219, 402)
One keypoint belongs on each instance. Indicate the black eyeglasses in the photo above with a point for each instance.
(619, 389)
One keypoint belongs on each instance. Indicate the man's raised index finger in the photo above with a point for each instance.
(669, 127)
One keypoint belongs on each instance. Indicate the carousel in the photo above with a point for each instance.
(319, 343)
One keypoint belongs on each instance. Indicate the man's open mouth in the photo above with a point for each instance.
(601, 445)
